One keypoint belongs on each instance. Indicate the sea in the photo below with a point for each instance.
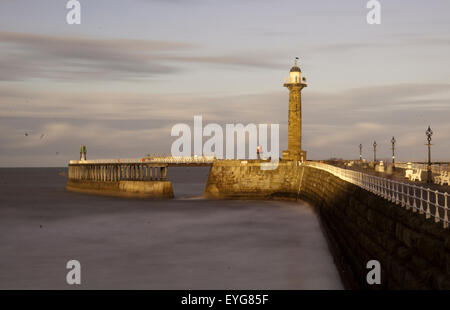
(188, 242)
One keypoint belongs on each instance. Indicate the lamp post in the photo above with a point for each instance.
(375, 151)
(429, 133)
(83, 152)
(360, 152)
(393, 153)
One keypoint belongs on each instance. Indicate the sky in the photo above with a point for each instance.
(133, 69)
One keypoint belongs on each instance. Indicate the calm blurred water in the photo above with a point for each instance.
(185, 243)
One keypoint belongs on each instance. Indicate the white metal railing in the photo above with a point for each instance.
(433, 204)
(107, 161)
(162, 160)
(182, 159)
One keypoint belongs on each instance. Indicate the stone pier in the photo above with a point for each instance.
(148, 180)
(413, 251)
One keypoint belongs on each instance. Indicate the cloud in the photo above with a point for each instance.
(17, 102)
(31, 56)
(27, 56)
(118, 124)
(130, 124)
(335, 123)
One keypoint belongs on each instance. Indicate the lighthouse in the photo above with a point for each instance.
(295, 83)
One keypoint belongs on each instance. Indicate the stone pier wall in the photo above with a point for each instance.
(120, 179)
(140, 189)
(235, 179)
(414, 252)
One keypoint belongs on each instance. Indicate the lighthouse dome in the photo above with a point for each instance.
(295, 68)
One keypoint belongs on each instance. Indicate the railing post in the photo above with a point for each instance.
(445, 211)
(414, 198)
(403, 196)
(407, 198)
(427, 212)
(437, 216)
(421, 200)
(392, 191)
(397, 198)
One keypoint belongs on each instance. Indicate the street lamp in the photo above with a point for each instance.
(360, 152)
(429, 133)
(393, 152)
(375, 151)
